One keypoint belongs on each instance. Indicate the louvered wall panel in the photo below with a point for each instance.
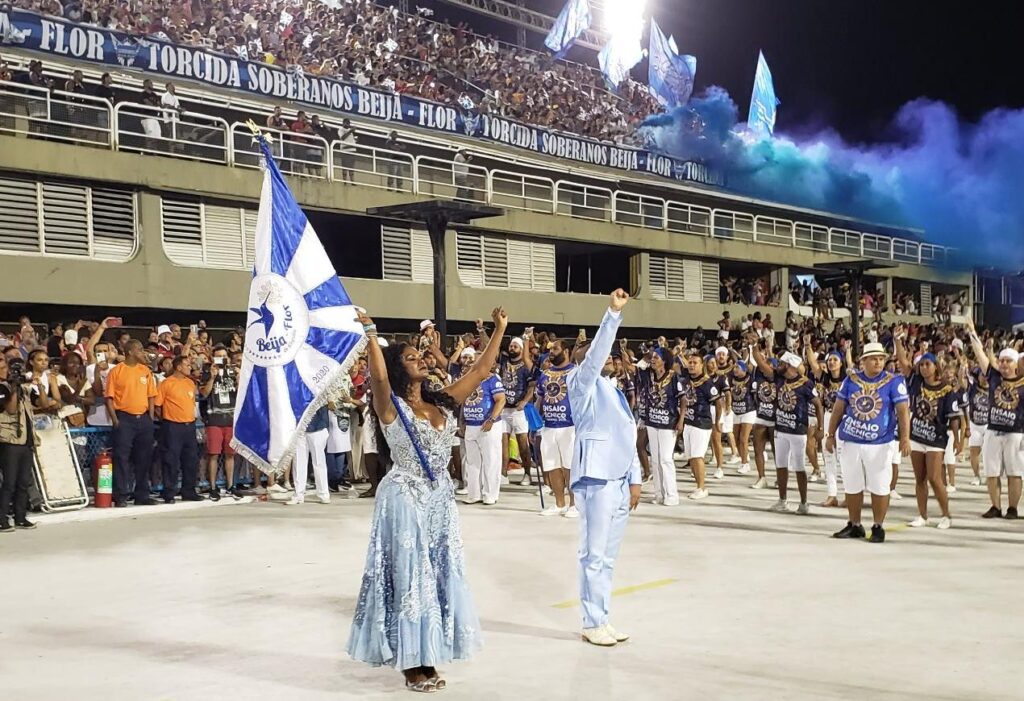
(65, 219)
(691, 280)
(113, 224)
(422, 257)
(396, 248)
(249, 224)
(182, 230)
(222, 236)
(520, 264)
(19, 229)
(495, 261)
(658, 277)
(470, 259)
(543, 266)
(676, 285)
(711, 280)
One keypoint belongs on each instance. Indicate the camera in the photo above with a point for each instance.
(16, 370)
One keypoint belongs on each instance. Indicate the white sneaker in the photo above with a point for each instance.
(571, 512)
(553, 511)
(719, 474)
(743, 469)
(525, 481)
(619, 637)
(277, 488)
(918, 522)
(951, 489)
(671, 501)
(295, 501)
(598, 636)
(976, 482)
(813, 477)
(470, 501)
(325, 500)
(648, 479)
(804, 509)
(462, 491)
(945, 522)
(504, 479)
(698, 494)
(490, 502)
(761, 483)
(895, 495)
(780, 507)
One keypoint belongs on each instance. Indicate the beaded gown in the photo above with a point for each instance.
(414, 606)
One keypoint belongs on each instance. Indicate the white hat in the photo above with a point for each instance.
(957, 343)
(1009, 353)
(721, 350)
(871, 349)
(791, 359)
(162, 329)
(426, 324)
(70, 337)
(382, 342)
(467, 352)
(517, 341)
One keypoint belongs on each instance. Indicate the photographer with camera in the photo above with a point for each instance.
(17, 439)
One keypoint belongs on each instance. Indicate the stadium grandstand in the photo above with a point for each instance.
(131, 179)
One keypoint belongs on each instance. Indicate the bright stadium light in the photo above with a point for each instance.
(620, 16)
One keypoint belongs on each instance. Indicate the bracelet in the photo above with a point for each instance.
(369, 327)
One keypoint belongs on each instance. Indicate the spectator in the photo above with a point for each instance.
(393, 167)
(220, 390)
(150, 117)
(172, 112)
(17, 441)
(347, 135)
(460, 170)
(304, 155)
(165, 346)
(276, 120)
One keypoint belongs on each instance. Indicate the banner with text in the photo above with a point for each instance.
(28, 30)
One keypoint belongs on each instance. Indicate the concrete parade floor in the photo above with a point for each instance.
(724, 600)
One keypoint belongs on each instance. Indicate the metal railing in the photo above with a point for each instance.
(34, 112)
(160, 130)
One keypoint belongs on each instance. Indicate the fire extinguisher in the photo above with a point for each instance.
(103, 469)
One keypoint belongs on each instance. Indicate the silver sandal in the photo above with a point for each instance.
(424, 687)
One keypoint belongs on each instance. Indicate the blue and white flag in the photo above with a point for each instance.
(301, 333)
(669, 75)
(763, 103)
(621, 53)
(571, 22)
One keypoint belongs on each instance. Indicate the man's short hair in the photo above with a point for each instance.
(219, 347)
(178, 361)
(133, 344)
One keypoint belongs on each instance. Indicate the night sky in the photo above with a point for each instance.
(847, 64)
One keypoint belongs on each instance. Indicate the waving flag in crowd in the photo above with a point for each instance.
(301, 333)
(763, 103)
(572, 21)
(670, 76)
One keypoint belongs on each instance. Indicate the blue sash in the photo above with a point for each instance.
(414, 438)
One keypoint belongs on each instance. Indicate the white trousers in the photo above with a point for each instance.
(604, 510)
(481, 463)
(791, 451)
(315, 445)
(866, 466)
(663, 466)
(832, 462)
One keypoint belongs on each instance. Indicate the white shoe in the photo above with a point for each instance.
(598, 636)
(571, 512)
(648, 479)
(761, 483)
(743, 469)
(719, 474)
(976, 482)
(504, 479)
(895, 495)
(804, 509)
(525, 481)
(553, 511)
(295, 501)
(813, 477)
(619, 637)
(277, 488)
(945, 522)
(698, 494)
(548, 491)
(951, 489)
(490, 502)
(780, 507)
(470, 501)
(325, 500)
(671, 501)
(918, 522)
(462, 491)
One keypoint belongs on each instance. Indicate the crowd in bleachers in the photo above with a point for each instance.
(377, 46)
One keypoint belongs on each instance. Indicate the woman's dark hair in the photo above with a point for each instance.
(400, 380)
(64, 367)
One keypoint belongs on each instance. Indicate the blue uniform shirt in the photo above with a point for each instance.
(699, 393)
(554, 406)
(870, 416)
(516, 379)
(663, 399)
(931, 409)
(480, 404)
(793, 402)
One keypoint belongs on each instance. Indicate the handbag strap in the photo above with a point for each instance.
(413, 437)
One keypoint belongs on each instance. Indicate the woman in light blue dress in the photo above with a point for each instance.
(415, 611)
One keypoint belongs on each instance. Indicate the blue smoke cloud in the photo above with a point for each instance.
(961, 183)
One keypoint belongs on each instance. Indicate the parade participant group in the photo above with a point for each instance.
(592, 423)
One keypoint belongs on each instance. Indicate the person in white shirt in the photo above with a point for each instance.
(172, 110)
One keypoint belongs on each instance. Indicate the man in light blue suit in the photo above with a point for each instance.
(605, 475)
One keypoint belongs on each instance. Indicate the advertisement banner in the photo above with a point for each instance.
(68, 40)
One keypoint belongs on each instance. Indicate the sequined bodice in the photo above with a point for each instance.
(436, 443)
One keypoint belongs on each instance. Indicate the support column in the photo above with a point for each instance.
(437, 227)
